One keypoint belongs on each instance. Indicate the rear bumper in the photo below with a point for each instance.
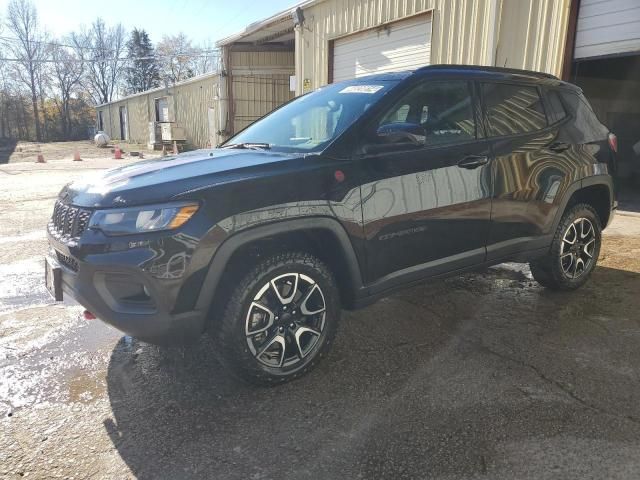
(96, 286)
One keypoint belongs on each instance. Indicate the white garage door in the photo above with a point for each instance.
(402, 45)
(607, 27)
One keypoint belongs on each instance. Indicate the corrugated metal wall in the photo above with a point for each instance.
(192, 102)
(514, 33)
(189, 103)
(260, 84)
(533, 34)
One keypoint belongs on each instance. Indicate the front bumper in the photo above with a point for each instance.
(100, 283)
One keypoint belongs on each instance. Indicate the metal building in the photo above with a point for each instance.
(333, 40)
(322, 41)
(186, 111)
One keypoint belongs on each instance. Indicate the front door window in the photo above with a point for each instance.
(443, 111)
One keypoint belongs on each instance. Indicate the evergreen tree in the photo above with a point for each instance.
(142, 72)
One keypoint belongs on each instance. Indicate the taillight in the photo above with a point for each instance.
(613, 142)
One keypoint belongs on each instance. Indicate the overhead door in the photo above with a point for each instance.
(402, 45)
(607, 27)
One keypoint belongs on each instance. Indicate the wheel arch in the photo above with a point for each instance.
(596, 191)
(322, 236)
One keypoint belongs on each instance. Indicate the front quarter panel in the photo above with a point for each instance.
(318, 187)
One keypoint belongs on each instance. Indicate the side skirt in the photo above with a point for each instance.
(364, 296)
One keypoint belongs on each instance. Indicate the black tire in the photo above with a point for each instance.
(556, 269)
(239, 351)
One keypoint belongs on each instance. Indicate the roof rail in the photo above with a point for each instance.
(515, 71)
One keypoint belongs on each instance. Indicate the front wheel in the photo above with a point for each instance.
(280, 320)
(574, 251)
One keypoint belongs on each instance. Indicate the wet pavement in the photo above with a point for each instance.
(480, 376)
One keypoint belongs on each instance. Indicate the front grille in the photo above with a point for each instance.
(67, 261)
(68, 220)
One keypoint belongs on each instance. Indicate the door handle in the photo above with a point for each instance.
(558, 147)
(473, 161)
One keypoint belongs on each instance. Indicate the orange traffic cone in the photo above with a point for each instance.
(175, 148)
(76, 156)
(41, 159)
(118, 153)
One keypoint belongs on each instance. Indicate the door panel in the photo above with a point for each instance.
(532, 167)
(426, 193)
(420, 209)
(528, 178)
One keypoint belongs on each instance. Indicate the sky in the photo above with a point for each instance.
(200, 20)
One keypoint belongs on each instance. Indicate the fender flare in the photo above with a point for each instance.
(605, 180)
(226, 250)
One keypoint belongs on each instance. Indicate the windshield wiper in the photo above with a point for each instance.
(249, 146)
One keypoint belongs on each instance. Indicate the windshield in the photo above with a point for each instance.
(311, 122)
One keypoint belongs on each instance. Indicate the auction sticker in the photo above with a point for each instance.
(370, 89)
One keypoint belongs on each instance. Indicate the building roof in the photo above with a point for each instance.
(197, 78)
(278, 27)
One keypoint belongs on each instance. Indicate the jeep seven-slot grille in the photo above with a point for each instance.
(68, 220)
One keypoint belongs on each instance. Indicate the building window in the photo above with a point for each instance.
(162, 109)
(513, 109)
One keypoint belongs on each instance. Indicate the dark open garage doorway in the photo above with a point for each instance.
(612, 85)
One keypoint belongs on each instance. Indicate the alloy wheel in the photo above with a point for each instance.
(578, 247)
(285, 320)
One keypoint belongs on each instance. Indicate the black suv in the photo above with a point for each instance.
(334, 200)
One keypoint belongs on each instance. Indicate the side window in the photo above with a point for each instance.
(513, 109)
(555, 109)
(442, 111)
(586, 127)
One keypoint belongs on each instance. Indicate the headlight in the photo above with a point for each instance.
(152, 218)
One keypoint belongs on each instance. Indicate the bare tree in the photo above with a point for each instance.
(67, 73)
(177, 58)
(207, 59)
(102, 49)
(4, 100)
(29, 48)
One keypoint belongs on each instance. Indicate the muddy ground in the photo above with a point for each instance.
(481, 376)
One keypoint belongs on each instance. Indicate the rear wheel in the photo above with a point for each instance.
(574, 251)
(280, 320)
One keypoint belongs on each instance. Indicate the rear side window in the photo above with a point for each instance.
(555, 109)
(513, 109)
(586, 127)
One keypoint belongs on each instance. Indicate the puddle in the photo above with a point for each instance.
(22, 285)
(69, 369)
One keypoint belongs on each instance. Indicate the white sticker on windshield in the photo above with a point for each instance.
(370, 89)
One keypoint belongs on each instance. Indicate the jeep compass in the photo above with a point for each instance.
(332, 201)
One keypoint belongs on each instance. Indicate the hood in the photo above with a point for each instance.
(160, 180)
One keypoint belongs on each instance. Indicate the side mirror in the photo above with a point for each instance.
(407, 134)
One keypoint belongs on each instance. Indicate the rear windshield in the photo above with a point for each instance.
(311, 122)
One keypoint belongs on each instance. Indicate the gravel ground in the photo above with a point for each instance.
(29, 151)
(480, 376)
